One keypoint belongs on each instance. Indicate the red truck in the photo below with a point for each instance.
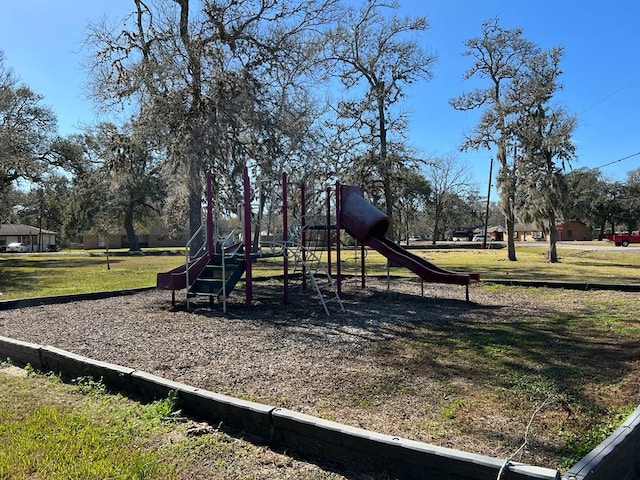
(625, 239)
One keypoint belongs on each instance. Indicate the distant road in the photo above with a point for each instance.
(596, 245)
(577, 245)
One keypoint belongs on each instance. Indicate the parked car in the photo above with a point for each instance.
(478, 238)
(17, 247)
(625, 239)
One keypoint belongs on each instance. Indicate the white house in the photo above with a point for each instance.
(36, 239)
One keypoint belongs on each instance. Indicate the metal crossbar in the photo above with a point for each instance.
(311, 266)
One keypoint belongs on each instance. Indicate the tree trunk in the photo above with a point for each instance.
(507, 184)
(511, 245)
(436, 225)
(506, 205)
(553, 238)
(388, 200)
(258, 225)
(128, 227)
(384, 160)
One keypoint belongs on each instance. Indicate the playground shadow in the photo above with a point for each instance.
(14, 263)
(536, 350)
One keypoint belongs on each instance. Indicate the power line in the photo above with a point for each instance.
(619, 160)
(602, 100)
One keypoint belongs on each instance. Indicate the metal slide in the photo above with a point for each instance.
(426, 270)
(369, 225)
(176, 279)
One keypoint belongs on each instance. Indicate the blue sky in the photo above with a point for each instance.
(42, 42)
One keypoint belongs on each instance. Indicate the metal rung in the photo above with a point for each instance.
(312, 259)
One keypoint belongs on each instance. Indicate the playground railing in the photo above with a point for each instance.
(188, 257)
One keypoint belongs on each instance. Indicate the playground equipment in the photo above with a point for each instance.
(215, 270)
(212, 272)
(369, 225)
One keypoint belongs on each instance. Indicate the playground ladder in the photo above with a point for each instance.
(312, 265)
(218, 278)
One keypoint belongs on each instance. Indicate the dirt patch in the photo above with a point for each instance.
(433, 368)
(13, 371)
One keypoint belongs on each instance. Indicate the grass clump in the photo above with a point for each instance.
(79, 431)
(47, 432)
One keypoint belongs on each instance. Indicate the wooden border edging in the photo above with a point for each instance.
(564, 285)
(312, 437)
(72, 366)
(76, 297)
(20, 352)
(411, 459)
(252, 417)
(617, 458)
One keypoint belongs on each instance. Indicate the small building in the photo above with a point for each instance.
(528, 232)
(574, 230)
(496, 233)
(154, 237)
(36, 239)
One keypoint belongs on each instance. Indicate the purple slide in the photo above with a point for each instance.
(176, 279)
(369, 225)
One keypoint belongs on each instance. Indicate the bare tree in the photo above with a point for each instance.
(448, 178)
(370, 49)
(412, 203)
(500, 56)
(545, 134)
(207, 83)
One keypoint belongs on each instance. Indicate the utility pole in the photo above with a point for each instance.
(486, 213)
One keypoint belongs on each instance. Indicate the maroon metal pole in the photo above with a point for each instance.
(209, 225)
(303, 234)
(328, 231)
(486, 214)
(338, 243)
(285, 237)
(247, 237)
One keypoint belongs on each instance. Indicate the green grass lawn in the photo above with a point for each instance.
(35, 275)
(575, 265)
(56, 431)
(70, 272)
